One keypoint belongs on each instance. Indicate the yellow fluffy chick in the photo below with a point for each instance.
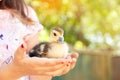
(56, 48)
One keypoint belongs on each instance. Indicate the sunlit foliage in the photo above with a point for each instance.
(93, 24)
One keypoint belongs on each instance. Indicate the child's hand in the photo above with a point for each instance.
(41, 66)
(71, 64)
(31, 40)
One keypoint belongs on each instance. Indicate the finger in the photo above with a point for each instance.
(73, 63)
(75, 55)
(74, 59)
(57, 72)
(67, 69)
(31, 40)
(57, 62)
(19, 54)
(27, 37)
(68, 57)
(48, 62)
(47, 69)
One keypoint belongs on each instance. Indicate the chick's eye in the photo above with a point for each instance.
(55, 34)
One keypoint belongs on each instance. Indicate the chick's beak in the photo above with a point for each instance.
(61, 40)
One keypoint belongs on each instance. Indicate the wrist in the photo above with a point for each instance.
(10, 72)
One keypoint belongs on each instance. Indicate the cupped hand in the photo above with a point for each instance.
(41, 66)
(38, 66)
(71, 64)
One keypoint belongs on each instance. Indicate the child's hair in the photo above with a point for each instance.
(18, 8)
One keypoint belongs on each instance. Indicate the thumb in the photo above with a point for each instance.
(75, 55)
(20, 52)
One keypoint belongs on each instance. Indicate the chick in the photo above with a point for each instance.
(56, 48)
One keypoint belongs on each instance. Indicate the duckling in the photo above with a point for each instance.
(55, 48)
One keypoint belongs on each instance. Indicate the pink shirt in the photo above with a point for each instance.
(12, 32)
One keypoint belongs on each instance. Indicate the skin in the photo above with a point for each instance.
(43, 68)
(69, 64)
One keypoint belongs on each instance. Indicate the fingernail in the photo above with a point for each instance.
(67, 65)
(22, 46)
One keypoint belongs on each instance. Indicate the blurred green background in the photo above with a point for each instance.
(90, 26)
